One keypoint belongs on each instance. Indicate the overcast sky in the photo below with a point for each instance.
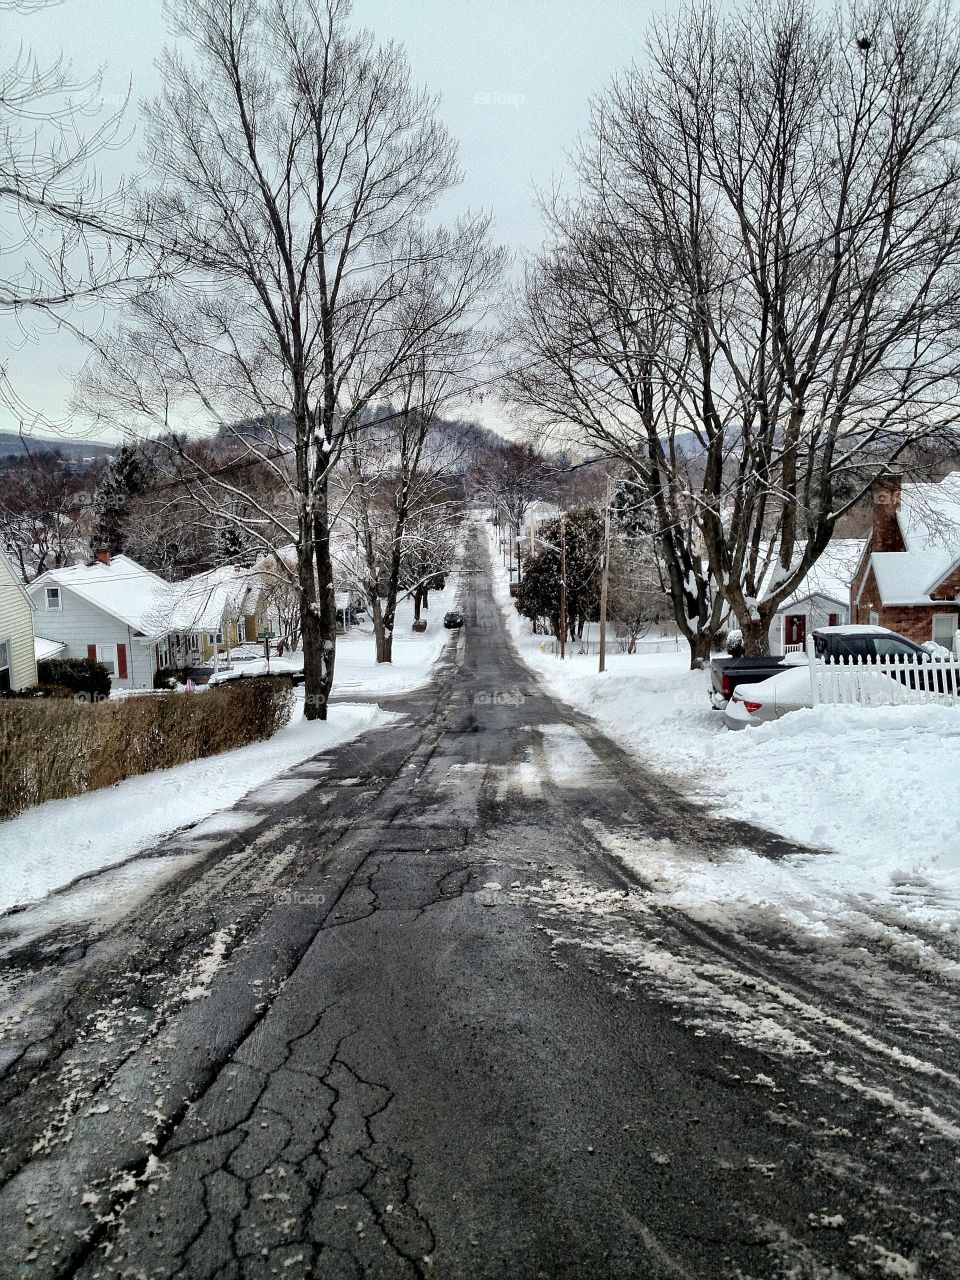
(514, 76)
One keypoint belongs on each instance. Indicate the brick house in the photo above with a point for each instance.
(908, 578)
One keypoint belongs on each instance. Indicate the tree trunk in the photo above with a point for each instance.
(314, 703)
(379, 624)
(417, 603)
(326, 606)
(701, 644)
(756, 636)
(384, 637)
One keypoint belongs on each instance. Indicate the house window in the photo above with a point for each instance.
(874, 618)
(945, 628)
(833, 620)
(107, 654)
(53, 598)
(6, 675)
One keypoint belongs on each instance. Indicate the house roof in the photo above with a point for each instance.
(200, 603)
(45, 649)
(15, 577)
(832, 574)
(929, 520)
(124, 589)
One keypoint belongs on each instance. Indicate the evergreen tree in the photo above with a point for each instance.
(539, 593)
(125, 475)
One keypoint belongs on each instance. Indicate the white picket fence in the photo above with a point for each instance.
(888, 681)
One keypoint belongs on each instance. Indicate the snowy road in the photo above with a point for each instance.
(418, 1014)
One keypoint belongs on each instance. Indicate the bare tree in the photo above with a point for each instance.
(395, 461)
(762, 283)
(636, 595)
(67, 247)
(43, 516)
(511, 477)
(431, 546)
(298, 166)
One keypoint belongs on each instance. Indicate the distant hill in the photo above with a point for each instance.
(463, 434)
(12, 444)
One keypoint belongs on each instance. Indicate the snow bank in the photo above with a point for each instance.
(873, 788)
(52, 844)
(47, 847)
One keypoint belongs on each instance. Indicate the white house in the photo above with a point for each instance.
(18, 665)
(111, 611)
(821, 600)
(220, 608)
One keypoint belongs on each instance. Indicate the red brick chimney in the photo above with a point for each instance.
(103, 555)
(886, 504)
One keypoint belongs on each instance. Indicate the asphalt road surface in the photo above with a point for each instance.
(405, 1013)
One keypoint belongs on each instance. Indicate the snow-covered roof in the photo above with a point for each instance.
(832, 574)
(929, 520)
(122, 588)
(43, 650)
(200, 603)
(540, 512)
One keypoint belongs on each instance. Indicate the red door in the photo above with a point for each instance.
(795, 630)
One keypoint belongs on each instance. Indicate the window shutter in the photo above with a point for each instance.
(92, 652)
(121, 661)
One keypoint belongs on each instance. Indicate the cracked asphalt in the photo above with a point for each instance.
(412, 1016)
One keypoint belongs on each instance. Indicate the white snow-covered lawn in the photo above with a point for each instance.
(414, 652)
(876, 789)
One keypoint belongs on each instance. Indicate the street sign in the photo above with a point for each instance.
(266, 635)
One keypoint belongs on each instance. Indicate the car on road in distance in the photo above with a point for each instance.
(453, 618)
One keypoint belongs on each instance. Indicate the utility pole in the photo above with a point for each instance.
(604, 578)
(563, 585)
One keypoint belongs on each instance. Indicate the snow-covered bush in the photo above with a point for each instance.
(52, 749)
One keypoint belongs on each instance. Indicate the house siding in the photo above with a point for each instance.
(16, 627)
(79, 624)
(816, 609)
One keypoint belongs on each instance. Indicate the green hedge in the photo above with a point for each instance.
(81, 675)
(51, 749)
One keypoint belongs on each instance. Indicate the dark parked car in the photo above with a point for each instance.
(453, 619)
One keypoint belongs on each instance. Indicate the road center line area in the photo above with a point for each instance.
(419, 1012)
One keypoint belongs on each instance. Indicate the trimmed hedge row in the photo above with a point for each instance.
(51, 749)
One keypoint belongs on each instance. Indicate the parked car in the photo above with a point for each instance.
(849, 641)
(757, 702)
(453, 618)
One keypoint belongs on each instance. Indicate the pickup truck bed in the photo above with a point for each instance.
(727, 673)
